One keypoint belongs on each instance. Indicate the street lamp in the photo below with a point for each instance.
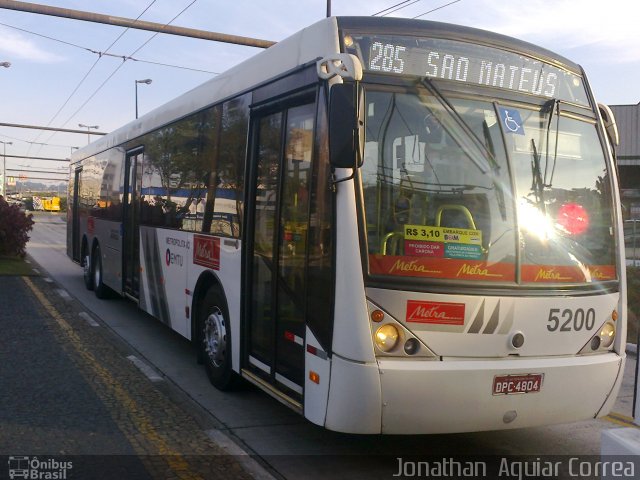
(88, 127)
(4, 166)
(146, 81)
(5, 64)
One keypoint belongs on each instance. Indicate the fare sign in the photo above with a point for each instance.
(469, 63)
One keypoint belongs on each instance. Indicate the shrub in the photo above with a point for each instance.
(14, 225)
(633, 303)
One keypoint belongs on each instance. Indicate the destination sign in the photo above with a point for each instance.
(466, 63)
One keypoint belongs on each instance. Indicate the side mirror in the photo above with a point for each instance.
(609, 124)
(346, 125)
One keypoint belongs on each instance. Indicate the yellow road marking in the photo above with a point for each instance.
(620, 419)
(174, 459)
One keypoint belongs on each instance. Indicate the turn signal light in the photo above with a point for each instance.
(377, 316)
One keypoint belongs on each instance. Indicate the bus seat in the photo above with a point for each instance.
(454, 216)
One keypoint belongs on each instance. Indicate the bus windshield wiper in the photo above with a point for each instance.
(537, 183)
(554, 108)
(427, 82)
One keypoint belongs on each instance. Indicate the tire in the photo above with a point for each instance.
(214, 340)
(87, 271)
(99, 288)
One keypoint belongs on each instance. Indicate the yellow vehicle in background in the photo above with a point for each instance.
(48, 204)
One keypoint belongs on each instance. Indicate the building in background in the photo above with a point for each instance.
(628, 157)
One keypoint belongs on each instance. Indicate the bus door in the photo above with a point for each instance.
(277, 249)
(75, 216)
(131, 223)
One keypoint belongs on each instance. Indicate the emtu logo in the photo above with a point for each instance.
(442, 313)
(173, 258)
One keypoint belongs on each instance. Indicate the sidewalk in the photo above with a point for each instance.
(72, 399)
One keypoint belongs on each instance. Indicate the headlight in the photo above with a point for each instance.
(386, 337)
(607, 334)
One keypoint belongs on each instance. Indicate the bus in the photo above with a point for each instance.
(391, 226)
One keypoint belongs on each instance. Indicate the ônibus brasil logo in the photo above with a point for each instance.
(35, 468)
(443, 313)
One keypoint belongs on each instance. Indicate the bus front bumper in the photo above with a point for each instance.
(457, 394)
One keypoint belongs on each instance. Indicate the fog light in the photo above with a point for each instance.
(517, 340)
(411, 346)
(607, 334)
(595, 343)
(386, 337)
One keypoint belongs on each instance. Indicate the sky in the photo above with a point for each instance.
(55, 80)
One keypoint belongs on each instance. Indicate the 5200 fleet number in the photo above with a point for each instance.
(568, 320)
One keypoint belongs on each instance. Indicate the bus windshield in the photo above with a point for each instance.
(473, 190)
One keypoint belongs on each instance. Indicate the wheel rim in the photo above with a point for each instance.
(87, 267)
(97, 274)
(215, 337)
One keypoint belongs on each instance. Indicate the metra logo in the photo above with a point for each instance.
(412, 266)
(442, 313)
(476, 271)
(597, 274)
(206, 251)
(549, 274)
(173, 258)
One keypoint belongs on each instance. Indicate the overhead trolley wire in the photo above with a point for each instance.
(123, 62)
(438, 8)
(84, 78)
(389, 8)
(399, 6)
(106, 53)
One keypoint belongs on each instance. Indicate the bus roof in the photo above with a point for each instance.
(315, 41)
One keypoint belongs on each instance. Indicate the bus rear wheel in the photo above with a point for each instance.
(86, 270)
(99, 288)
(214, 343)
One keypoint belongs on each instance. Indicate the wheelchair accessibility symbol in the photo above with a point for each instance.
(511, 120)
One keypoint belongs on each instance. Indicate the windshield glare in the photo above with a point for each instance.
(439, 195)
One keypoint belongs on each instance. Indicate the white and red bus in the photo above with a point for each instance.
(390, 225)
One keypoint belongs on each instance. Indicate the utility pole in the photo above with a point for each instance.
(131, 23)
(4, 167)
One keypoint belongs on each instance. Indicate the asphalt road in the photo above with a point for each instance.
(250, 422)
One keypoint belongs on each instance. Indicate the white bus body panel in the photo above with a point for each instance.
(164, 262)
(456, 395)
(491, 321)
(108, 234)
(228, 274)
(169, 274)
(316, 395)
(351, 335)
(355, 401)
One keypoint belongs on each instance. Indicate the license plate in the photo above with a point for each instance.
(515, 384)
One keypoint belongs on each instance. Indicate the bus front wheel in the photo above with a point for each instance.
(215, 340)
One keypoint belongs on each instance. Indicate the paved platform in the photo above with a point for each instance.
(72, 391)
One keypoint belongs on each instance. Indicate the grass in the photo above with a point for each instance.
(15, 266)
